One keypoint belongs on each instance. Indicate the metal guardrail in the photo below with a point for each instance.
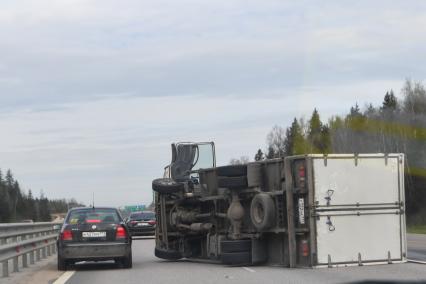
(26, 241)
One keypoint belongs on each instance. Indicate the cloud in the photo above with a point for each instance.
(116, 146)
(93, 92)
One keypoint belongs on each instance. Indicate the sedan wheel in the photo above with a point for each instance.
(127, 261)
(62, 264)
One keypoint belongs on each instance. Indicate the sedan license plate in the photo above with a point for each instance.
(94, 234)
(143, 224)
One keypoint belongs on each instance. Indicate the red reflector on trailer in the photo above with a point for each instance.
(302, 172)
(304, 248)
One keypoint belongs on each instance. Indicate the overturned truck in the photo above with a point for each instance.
(300, 211)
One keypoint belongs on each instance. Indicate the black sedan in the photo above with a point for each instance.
(94, 234)
(142, 223)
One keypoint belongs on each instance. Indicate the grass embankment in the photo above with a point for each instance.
(416, 229)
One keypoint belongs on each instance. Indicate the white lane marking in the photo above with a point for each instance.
(248, 269)
(64, 277)
(416, 261)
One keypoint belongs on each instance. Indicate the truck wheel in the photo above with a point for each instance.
(166, 186)
(235, 246)
(236, 258)
(262, 211)
(232, 182)
(167, 254)
(254, 175)
(232, 171)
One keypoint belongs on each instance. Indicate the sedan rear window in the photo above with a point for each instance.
(87, 216)
(143, 216)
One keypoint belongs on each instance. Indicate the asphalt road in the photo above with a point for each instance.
(149, 269)
(416, 247)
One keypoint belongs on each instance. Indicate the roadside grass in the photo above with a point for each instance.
(416, 229)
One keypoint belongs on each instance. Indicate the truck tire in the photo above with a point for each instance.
(235, 246)
(232, 171)
(232, 182)
(262, 211)
(236, 258)
(167, 254)
(254, 175)
(166, 186)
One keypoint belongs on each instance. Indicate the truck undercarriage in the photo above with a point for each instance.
(264, 212)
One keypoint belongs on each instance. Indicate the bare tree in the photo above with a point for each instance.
(241, 161)
(276, 141)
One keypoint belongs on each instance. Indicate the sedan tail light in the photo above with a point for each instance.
(120, 233)
(66, 235)
(152, 222)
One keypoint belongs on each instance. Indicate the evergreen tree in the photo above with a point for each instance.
(15, 205)
(389, 101)
(315, 134)
(43, 209)
(355, 111)
(259, 155)
(31, 212)
(318, 135)
(4, 203)
(271, 153)
(19, 205)
(295, 143)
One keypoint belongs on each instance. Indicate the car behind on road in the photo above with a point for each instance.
(142, 223)
(94, 234)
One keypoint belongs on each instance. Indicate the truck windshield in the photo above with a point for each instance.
(205, 157)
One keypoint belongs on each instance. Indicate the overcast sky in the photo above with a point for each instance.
(92, 92)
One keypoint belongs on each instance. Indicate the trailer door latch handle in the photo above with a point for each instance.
(328, 197)
(331, 227)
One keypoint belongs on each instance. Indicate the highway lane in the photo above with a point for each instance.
(416, 247)
(149, 269)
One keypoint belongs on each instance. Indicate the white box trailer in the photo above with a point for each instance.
(352, 207)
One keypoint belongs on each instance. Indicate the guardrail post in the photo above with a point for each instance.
(5, 265)
(16, 264)
(43, 252)
(38, 255)
(25, 260)
(31, 257)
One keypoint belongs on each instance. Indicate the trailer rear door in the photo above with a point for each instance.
(359, 209)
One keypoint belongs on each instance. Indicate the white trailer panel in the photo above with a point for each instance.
(359, 208)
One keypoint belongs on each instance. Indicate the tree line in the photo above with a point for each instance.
(17, 205)
(398, 125)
